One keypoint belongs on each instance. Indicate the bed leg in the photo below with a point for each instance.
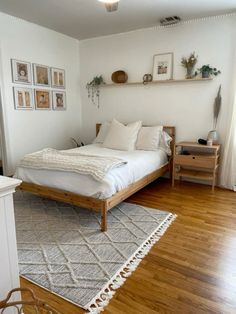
(104, 218)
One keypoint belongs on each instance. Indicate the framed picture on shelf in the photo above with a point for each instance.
(59, 100)
(41, 75)
(23, 98)
(21, 72)
(163, 66)
(42, 99)
(58, 78)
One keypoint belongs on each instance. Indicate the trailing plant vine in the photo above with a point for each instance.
(93, 88)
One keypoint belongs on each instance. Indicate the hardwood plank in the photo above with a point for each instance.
(192, 269)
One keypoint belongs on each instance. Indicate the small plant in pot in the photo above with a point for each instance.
(93, 88)
(207, 71)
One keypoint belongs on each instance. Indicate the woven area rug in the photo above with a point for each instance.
(61, 247)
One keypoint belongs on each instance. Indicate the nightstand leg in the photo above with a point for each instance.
(173, 177)
(213, 181)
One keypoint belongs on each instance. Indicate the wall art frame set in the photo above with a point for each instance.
(46, 88)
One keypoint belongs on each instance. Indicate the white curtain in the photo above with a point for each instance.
(228, 169)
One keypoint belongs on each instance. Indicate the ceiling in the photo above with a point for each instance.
(88, 18)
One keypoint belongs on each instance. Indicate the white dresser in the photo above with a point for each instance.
(9, 274)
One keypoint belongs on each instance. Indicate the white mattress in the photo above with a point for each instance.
(140, 163)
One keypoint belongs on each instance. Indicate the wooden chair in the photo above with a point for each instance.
(32, 305)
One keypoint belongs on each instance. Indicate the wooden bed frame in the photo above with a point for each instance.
(101, 205)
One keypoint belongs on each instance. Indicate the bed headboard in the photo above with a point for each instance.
(168, 129)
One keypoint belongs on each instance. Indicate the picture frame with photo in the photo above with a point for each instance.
(21, 72)
(41, 75)
(43, 99)
(58, 78)
(23, 98)
(59, 100)
(163, 66)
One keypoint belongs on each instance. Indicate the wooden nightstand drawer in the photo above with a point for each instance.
(201, 161)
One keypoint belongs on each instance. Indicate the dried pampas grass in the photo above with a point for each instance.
(217, 106)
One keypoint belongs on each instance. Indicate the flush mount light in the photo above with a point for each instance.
(109, 1)
(111, 5)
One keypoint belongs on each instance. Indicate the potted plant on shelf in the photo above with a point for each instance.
(93, 88)
(189, 64)
(207, 71)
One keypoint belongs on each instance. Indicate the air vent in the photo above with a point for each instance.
(111, 7)
(170, 20)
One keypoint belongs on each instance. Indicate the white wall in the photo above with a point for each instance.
(188, 106)
(28, 131)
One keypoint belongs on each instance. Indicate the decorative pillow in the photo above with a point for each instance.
(165, 143)
(149, 138)
(122, 137)
(104, 128)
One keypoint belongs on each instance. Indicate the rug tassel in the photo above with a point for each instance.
(99, 302)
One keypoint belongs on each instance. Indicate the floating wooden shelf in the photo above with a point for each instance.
(159, 82)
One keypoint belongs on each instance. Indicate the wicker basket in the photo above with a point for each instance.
(30, 306)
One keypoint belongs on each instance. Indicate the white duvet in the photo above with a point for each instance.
(139, 164)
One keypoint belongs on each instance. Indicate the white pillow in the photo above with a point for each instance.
(165, 143)
(149, 138)
(122, 137)
(103, 131)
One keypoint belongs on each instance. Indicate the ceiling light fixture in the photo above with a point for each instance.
(111, 5)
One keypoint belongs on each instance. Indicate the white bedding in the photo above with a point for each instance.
(140, 163)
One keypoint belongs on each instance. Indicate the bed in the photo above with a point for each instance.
(142, 168)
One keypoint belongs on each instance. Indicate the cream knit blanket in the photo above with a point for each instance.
(50, 159)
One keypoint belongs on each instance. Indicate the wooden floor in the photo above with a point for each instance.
(192, 269)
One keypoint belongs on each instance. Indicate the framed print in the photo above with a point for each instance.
(59, 100)
(23, 98)
(42, 99)
(41, 75)
(58, 78)
(21, 72)
(163, 66)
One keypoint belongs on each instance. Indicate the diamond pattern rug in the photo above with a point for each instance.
(61, 247)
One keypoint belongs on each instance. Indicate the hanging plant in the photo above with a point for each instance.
(93, 88)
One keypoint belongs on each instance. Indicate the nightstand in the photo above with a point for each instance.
(193, 160)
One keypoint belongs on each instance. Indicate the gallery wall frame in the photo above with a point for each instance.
(43, 99)
(59, 100)
(23, 98)
(21, 72)
(58, 78)
(41, 75)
